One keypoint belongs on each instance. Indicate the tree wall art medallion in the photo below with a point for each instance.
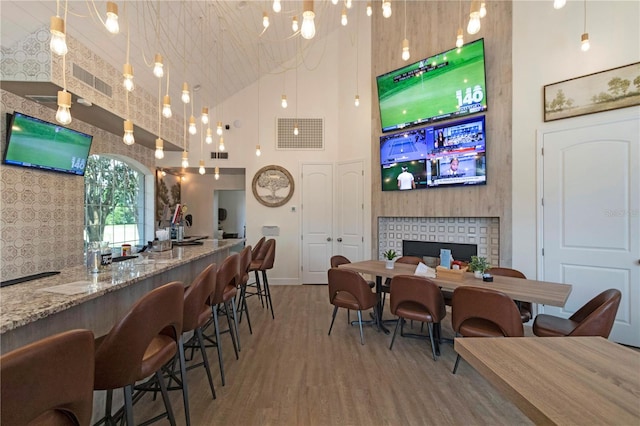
(272, 186)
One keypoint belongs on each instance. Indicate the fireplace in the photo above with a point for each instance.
(481, 232)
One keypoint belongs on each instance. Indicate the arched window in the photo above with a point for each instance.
(114, 202)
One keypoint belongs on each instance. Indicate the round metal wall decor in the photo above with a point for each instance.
(273, 186)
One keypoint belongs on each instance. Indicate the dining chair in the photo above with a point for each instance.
(338, 260)
(138, 346)
(416, 298)
(347, 289)
(481, 312)
(595, 318)
(49, 382)
(386, 286)
(525, 308)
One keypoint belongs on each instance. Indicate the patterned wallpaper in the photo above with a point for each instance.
(42, 213)
(482, 231)
(30, 60)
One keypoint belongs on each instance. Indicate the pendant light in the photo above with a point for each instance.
(474, 17)
(216, 173)
(128, 138)
(127, 73)
(369, 9)
(308, 30)
(192, 125)
(559, 4)
(111, 23)
(258, 152)
(219, 128)
(159, 153)
(186, 98)
(584, 38)
(209, 138)
(58, 42)
(277, 7)
(159, 149)
(386, 8)
(265, 20)
(63, 115)
(201, 169)
(205, 115)
(166, 102)
(221, 144)
(158, 69)
(185, 159)
(343, 18)
(294, 24)
(284, 101)
(460, 35)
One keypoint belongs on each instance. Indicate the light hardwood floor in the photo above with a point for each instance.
(290, 372)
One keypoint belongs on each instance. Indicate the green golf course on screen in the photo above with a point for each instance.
(450, 84)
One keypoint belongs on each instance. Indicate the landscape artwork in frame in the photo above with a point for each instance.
(601, 91)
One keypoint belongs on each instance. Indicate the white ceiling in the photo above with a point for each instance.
(217, 45)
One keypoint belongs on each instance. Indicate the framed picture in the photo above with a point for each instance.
(272, 186)
(168, 191)
(601, 91)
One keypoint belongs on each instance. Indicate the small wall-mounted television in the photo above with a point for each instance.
(447, 85)
(448, 154)
(38, 144)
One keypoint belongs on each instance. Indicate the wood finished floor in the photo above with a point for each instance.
(290, 372)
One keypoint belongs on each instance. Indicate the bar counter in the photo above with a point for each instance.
(76, 298)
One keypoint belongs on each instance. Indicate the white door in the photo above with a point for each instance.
(591, 217)
(317, 222)
(349, 234)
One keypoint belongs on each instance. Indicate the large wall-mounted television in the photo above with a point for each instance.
(444, 86)
(36, 143)
(448, 154)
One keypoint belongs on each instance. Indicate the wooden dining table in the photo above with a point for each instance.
(524, 290)
(561, 380)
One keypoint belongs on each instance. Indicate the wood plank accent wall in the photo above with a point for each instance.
(431, 29)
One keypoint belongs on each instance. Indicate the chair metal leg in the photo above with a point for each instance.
(360, 323)
(205, 360)
(455, 367)
(235, 321)
(216, 324)
(183, 375)
(258, 288)
(245, 308)
(231, 331)
(333, 318)
(128, 402)
(433, 346)
(165, 398)
(267, 292)
(395, 332)
(348, 316)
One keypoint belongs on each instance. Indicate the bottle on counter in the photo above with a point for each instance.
(93, 257)
(105, 255)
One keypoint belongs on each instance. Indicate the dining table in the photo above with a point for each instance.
(561, 380)
(525, 290)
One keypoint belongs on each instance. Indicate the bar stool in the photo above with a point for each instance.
(224, 294)
(263, 265)
(258, 253)
(197, 313)
(243, 279)
(139, 345)
(49, 382)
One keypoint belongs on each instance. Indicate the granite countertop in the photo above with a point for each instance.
(26, 302)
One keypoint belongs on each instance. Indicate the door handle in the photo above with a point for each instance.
(328, 238)
(339, 239)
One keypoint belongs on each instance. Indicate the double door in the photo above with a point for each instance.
(332, 216)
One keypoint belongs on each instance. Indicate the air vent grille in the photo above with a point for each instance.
(310, 134)
(89, 79)
(43, 99)
(221, 155)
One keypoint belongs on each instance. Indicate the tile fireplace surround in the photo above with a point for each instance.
(482, 231)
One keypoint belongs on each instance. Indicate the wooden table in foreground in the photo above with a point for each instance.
(547, 293)
(561, 380)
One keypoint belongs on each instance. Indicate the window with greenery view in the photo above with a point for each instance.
(114, 202)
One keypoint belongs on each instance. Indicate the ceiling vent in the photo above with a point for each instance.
(91, 80)
(310, 134)
(43, 99)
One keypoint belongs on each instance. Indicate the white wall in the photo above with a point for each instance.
(546, 49)
(326, 89)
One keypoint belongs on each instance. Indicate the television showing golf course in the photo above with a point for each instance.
(35, 143)
(447, 85)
